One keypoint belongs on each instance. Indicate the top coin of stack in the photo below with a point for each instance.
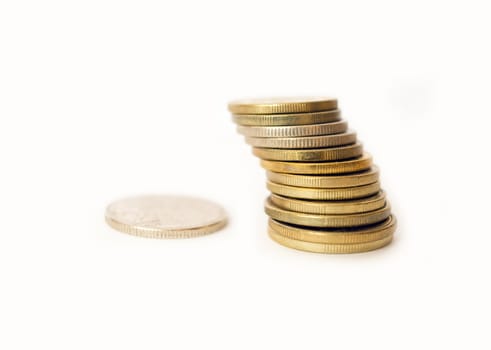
(326, 195)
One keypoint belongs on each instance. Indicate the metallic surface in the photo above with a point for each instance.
(317, 220)
(354, 206)
(282, 105)
(287, 119)
(294, 130)
(328, 248)
(310, 155)
(326, 181)
(331, 194)
(336, 236)
(325, 191)
(165, 216)
(346, 138)
(325, 168)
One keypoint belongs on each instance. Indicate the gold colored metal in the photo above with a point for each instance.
(294, 130)
(326, 181)
(327, 194)
(310, 155)
(361, 205)
(317, 220)
(165, 216)
(328, 248)
(287, 119)
(324, 168)
(346, 138)
(282, 105)
(336, 236)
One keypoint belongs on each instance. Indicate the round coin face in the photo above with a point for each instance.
(165, 216)
(282, 105)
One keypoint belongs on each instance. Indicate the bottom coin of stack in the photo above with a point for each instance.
(325, 190)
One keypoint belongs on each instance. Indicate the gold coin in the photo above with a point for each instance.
(310, 155)
(336, 236)
(165, 216)
(329, 248)
(294, 130)
(346, 138)
(287, 119)
(317, 220)
(283, 105)
(330, 194)
(354, 206)
(326, 181)
(324, 168)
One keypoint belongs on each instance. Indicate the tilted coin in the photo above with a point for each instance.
(331, 194)
(323, 168)
(317, 220)
(326, 181)
(353, 206)
(329, 248)
(310, 155)
(165, 216)
(282, 105)
(294, 130)
(336, 235)
(287, 119)
(346, 138)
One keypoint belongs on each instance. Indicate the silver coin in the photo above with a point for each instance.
(346, 138)
(157, 216)
(294, 130)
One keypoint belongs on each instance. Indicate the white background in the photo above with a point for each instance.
(105, 99)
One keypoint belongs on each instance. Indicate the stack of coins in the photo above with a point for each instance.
(325, 190)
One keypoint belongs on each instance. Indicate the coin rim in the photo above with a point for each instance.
(165, 234)
(276, 106)
(329, 248)
(331, 128)
(298, 119)
(326, 181)
(333, 194)
(365, 204)
(320, 168)
(305, 142)
(310, 155)
(359, 235)
(319, 220)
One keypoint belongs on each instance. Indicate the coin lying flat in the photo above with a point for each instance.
(346, 138)
(294, 130)
(165, 216)
(317, 220)
(336, 236)
(282, 105)
(353, 206)
(310, 155)
(287, 119)
(361, 163)
(329, 248)
(326, 181)
(326, 194)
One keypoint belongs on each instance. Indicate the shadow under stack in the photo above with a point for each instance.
(325, 190)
